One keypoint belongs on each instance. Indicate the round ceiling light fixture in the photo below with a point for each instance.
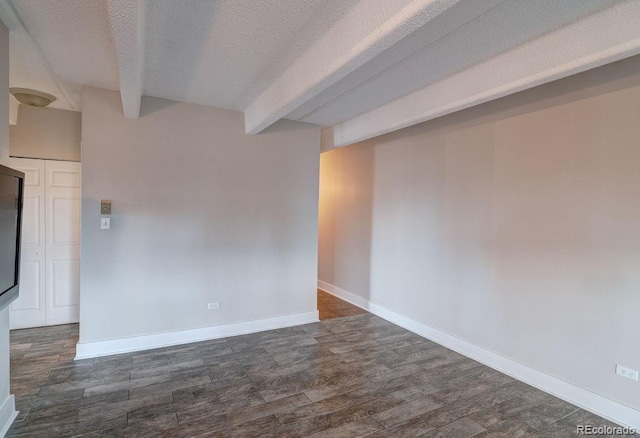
(35, 98)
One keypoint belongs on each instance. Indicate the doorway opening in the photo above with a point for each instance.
(330, 306)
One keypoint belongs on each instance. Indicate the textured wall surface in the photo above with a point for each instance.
(513, 225)
(201, 213)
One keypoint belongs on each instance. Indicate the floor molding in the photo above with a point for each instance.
(569, 392)
(8, 413)
(125, 345)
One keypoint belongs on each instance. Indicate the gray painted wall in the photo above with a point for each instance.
(513, 225)
(47, 133)
(201, 213)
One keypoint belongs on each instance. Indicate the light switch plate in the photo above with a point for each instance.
(105, 223)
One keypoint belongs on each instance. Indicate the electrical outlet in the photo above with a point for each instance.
(627, 372)
(213, 306)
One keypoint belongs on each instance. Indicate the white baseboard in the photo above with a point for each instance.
(147, 342)
(8, 413)
(590, 401)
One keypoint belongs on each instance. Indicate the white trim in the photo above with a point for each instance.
(8, 413)
(146, 342)
(349, 297)
(599, 405)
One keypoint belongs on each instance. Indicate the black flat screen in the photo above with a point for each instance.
(9, 198)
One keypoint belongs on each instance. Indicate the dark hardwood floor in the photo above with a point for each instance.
(344, 377)
(331, 307)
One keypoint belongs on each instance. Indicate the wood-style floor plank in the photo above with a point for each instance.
(351, 375)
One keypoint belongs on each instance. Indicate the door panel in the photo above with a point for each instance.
(65, 276)
(50, 258)
(29, 309)
(65, 220)
(30, 284)
(65, 178)
(31, 220)
(62, 241)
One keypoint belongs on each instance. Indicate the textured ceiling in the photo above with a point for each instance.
(73, 37)
(223, 53)
(496, 30)
(219, 53)
(326, 62)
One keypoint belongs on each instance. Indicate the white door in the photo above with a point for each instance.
(62, 192)
(50, 259)
(29, 309)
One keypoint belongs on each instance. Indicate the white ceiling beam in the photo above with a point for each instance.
(580, 46)
(365, 32)
(127, 18)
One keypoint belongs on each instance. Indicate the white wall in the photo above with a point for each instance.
(514, 226)
(7, 404)
(47, 133)
(201, 213)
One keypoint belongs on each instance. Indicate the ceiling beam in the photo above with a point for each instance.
(362, 34)
(127, 19)
(580, 46)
